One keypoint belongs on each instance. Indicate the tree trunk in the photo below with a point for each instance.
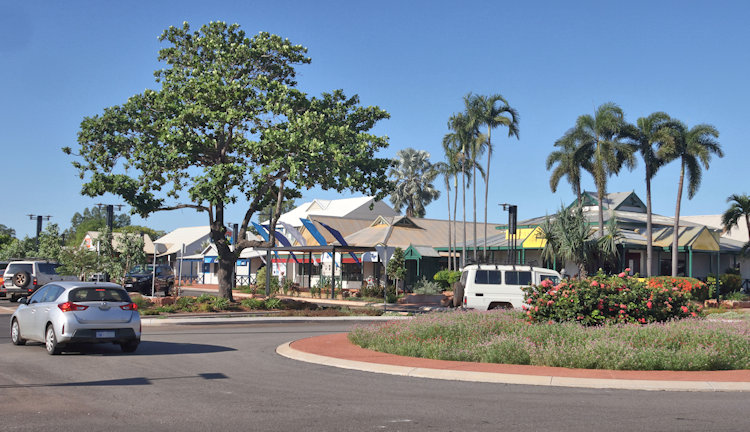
(600, 195)
(675, 236)
(747, 222)
(227, 257)
(487, 189)
(475, 211)
(225, 274)
(448, 191)
(455, 221)
(463, 199)
(649, 240)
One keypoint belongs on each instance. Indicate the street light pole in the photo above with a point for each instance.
(38, 225)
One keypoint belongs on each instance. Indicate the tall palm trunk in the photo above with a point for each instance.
(463, 199)
(487, 188)
(475, 211)
(649, 240)
(455, 217)
(675, 236)
(448, 191)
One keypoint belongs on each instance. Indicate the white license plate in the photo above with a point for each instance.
(128, 285)
(105, 334)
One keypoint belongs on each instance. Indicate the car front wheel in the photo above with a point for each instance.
(15, 334)
(50, 341)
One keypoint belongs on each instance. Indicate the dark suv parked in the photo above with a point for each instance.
(139, 279)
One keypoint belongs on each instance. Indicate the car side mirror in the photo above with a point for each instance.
(23, 300)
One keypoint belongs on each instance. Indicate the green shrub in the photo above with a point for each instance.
(220, 303)
(141, 302)
(605, 299)
(371, 290)
(273, 303)
(260, 279)
(205, 298)
(253, 303)
(425, 287)
(446, 278)
(166, 309)
(186, 303)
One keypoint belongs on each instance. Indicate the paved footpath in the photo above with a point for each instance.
(336, 350)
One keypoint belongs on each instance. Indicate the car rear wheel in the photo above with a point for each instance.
(458, 294)
(129, 346)
(21, 279)
(50, 341)
(15, 334)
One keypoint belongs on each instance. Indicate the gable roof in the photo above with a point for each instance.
(351, 208)
(172, 242)
(627, 201)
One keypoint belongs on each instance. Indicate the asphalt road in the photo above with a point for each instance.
(202, 378)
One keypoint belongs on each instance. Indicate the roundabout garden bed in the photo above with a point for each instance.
(605, 322)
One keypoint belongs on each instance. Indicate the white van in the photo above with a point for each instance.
(491, 286)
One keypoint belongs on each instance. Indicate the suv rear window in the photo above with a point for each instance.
(98, 294)
(14, 268)
(488, 277)
(48, 268)
(517, 278)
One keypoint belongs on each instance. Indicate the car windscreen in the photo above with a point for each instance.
(141, 269)
(98, 294)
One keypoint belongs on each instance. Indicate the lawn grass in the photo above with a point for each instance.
(505, 337)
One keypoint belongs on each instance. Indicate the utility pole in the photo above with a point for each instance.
(110, 209)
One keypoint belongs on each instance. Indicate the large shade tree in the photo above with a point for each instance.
(491, 112)
(412, 174)
(648, 135)
(229, 126)
(693, 148)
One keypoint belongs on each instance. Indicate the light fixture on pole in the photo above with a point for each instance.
(512, 231)
(38, 225)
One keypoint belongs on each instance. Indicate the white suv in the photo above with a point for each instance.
(22, 278)
(489, 286)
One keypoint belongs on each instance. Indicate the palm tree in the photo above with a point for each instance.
(491, 111)
(600, 134)
(740, 208)
(645, 134)
(570, 159)
(412, 175)
(463, 137)
(693, 147)
(449, 169)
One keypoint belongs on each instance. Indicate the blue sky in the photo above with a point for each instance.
(553, 61)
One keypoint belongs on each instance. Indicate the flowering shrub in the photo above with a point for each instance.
(694, 288)
(605, 299)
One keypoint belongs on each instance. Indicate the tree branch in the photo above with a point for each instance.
(182, 206)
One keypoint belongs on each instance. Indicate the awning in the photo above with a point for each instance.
(209, 260)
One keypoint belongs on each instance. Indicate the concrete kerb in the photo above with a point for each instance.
(506, 378)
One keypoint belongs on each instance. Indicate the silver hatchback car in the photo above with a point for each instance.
(62, 313)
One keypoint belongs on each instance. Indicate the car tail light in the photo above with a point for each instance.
(130, 306)
(35, 282)
(464, 300)
(70, 306)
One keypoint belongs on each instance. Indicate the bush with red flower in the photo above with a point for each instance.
(603, 299)
(692, 287)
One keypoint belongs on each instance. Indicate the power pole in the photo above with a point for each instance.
(39, 219)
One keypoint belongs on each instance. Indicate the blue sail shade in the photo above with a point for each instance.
(337, 235)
